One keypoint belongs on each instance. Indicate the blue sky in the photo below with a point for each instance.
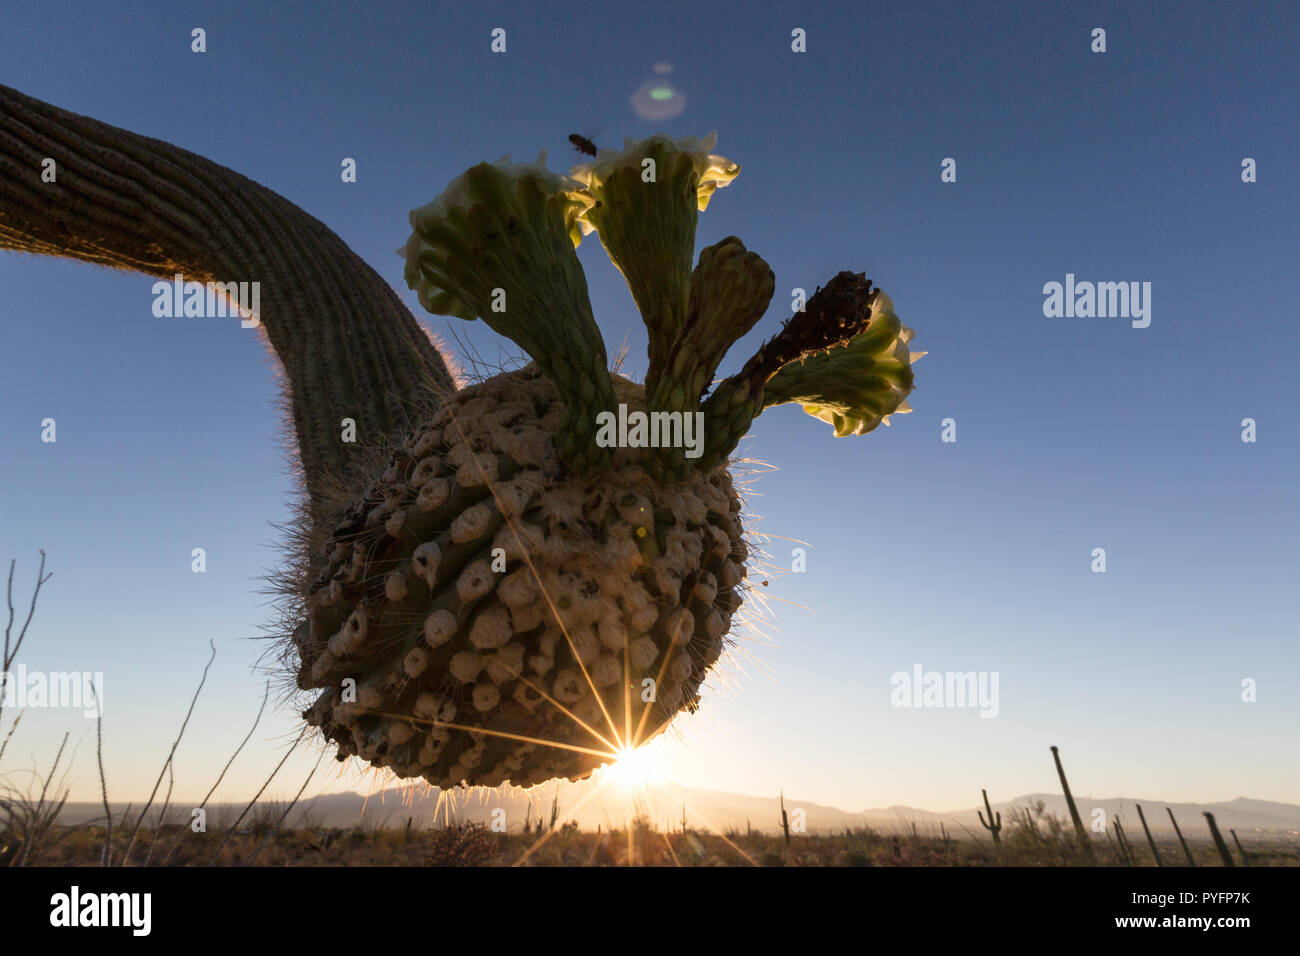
(1072, 434)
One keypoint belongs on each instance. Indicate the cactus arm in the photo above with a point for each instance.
(349, 347)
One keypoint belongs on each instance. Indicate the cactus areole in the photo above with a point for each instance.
(516, 597)
(484, 587)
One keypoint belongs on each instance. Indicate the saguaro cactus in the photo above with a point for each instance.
(481, 579)
(1245, 857)
(1222, 847)
(1079, 831)
(1125, 848)
(993, 825)
(1191, 861)
(1154, 852)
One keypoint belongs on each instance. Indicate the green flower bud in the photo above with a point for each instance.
(730, 290)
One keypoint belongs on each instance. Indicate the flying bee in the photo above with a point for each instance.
(582, 144)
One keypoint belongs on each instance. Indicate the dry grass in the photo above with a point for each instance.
(1032, 838)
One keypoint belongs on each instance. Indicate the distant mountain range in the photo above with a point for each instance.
(713, 810)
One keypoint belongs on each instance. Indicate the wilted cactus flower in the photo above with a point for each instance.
(517, 597)
(857, 387)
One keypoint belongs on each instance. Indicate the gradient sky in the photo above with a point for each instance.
(1072, 433)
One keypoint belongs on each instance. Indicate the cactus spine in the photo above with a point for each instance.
(993, 824)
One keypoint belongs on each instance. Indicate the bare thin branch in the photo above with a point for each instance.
(208, 796)
(287, 810)
(106, 858)
(10, 655)
(3, 746)
(162, 814)
(257, 796)
(126, 854)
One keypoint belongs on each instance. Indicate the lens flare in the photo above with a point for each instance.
(658, 99)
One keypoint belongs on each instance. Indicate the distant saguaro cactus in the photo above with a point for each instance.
(1125, 848)
(1069, 799)
(1218, 840)
(1245, 857)
(993, 824)
(1154, 852)
(785, 820)
(1190, 860)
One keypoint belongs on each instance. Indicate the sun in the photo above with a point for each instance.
(634, 768)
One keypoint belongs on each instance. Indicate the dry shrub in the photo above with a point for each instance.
(462, 844)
